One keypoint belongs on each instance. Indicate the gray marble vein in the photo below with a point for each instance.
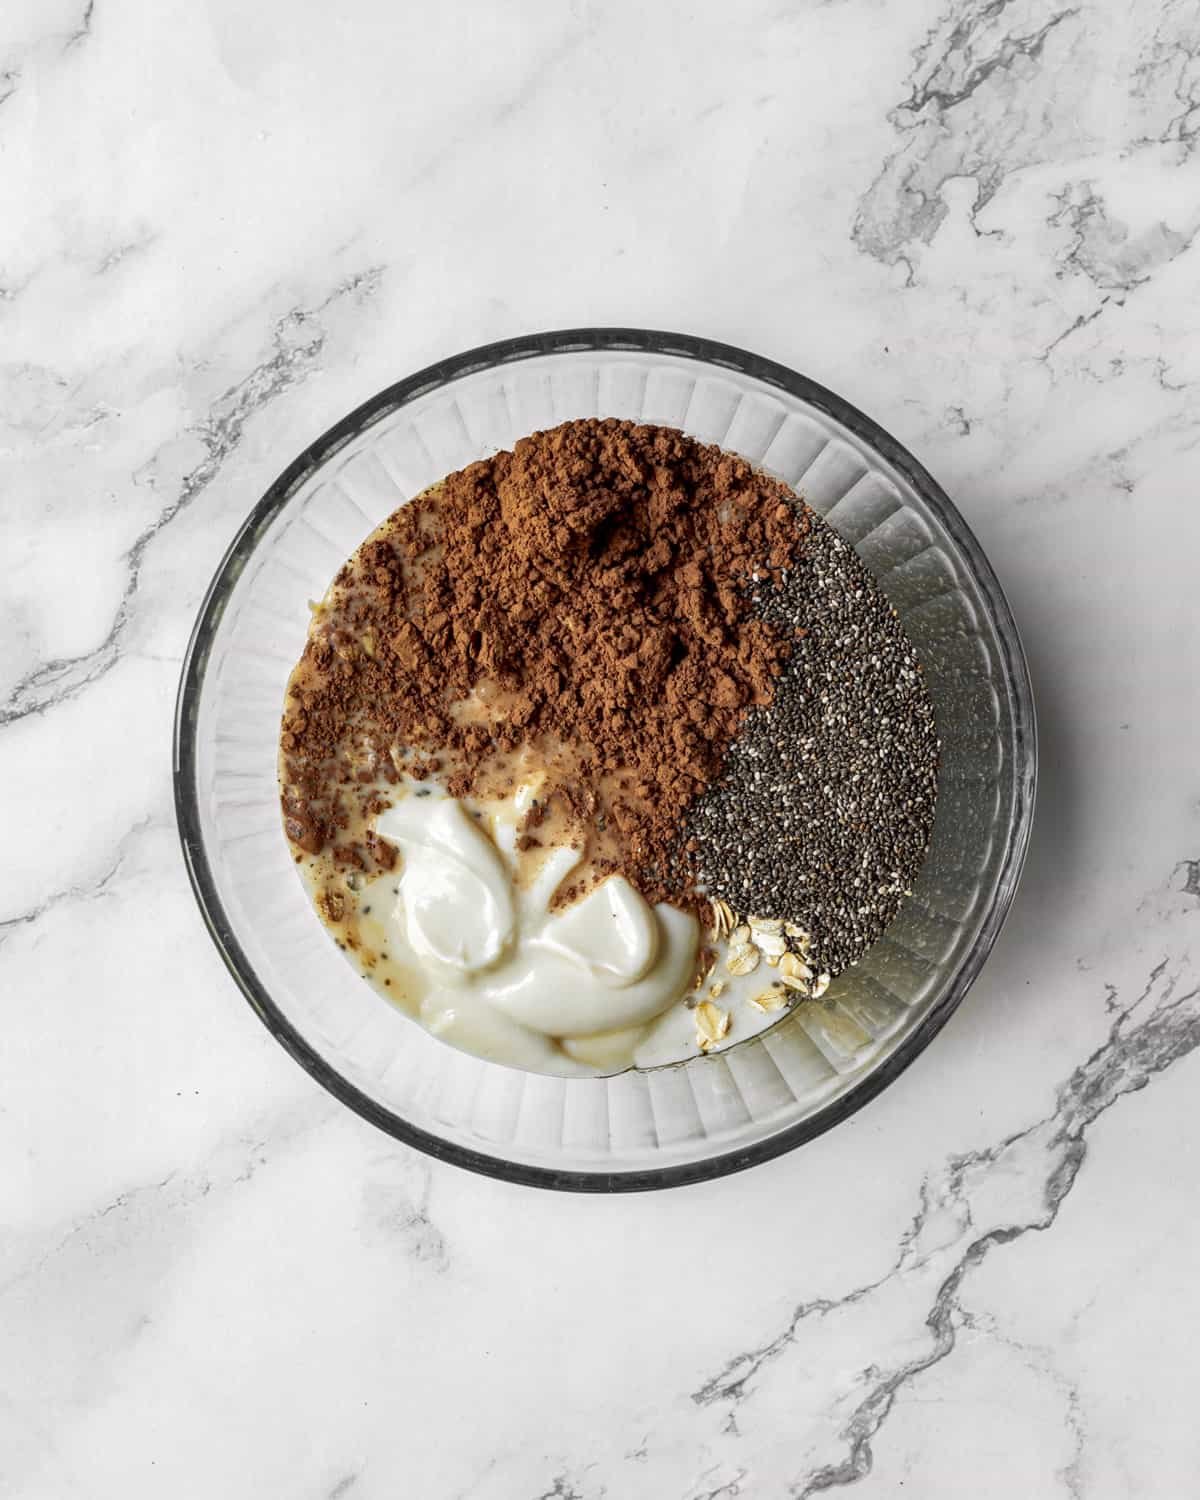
(1156, 1029)
(985, 85)
(1044, 1361)
(90, 890)
(1104, 250)
(562, 1487)
(84, 29)
(1191, 876)
(295, 346)
(1168, 74)
(1083, 320)
(152, 1215)
(729, 1489)
(396, 1210)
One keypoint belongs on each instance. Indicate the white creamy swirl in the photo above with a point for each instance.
(494, 952)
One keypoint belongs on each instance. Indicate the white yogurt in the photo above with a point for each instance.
(509, 978)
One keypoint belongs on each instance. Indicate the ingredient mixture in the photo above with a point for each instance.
(579, 704)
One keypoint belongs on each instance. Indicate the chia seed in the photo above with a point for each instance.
(825, 810)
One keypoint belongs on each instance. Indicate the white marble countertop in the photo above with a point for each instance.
(226, 225)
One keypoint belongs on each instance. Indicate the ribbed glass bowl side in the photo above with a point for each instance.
(710, 1114)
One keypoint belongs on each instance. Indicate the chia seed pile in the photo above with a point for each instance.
(826, 807)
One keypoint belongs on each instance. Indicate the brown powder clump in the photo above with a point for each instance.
(582, 600)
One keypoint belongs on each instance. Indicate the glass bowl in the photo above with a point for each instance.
(637, 1129)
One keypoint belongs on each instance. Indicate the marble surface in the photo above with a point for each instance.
(227, 224)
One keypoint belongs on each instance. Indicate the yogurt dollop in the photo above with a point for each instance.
(493, 951)
(455, 895)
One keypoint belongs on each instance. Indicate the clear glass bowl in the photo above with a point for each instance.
(638, 1129)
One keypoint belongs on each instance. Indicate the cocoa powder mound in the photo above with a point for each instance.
(584, 598)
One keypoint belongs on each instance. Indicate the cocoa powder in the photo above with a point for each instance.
(583, 599)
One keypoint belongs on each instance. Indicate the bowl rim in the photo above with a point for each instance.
(317, 453)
